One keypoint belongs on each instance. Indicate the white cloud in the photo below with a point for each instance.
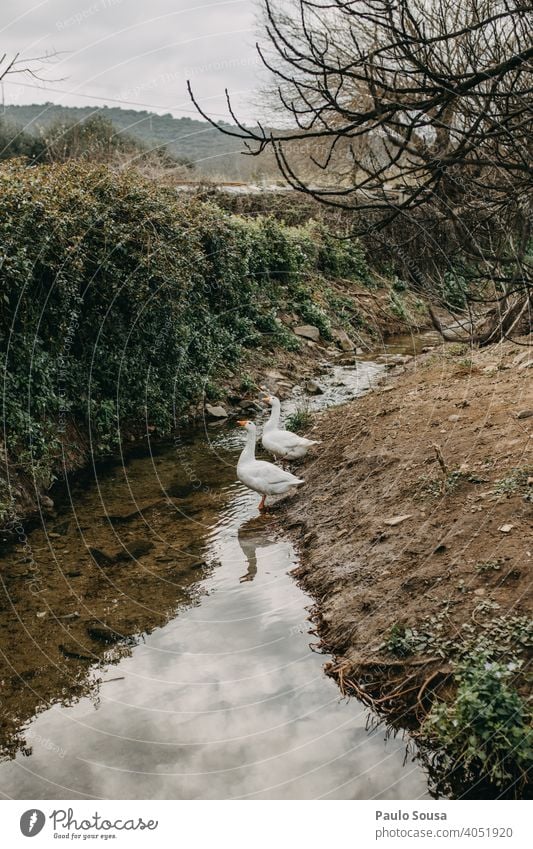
(130, 50)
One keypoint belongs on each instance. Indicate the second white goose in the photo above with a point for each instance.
(283, 444)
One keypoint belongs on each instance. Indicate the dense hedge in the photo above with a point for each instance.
(122, 301)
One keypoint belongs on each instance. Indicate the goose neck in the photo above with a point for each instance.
(273, 421)
(248, 452)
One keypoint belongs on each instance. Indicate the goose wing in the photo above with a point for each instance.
(286, 439)
(267, 473)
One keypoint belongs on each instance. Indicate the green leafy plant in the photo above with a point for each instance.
(489, 566)
(299, 421)
(442, 485)
(516, 483)
(485, 731)
(403, 640)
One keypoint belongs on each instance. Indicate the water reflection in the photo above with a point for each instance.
(251, 537)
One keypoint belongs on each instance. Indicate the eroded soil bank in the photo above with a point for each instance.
(415, 526)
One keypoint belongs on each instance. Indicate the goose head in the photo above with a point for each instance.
(247, 425)
(272, 400)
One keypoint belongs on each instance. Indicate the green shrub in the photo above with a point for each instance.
(485, 732)
(299, 421)
(15, 141)
(341, 255)
(121, 301)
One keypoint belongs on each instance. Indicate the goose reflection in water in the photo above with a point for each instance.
(251, 536)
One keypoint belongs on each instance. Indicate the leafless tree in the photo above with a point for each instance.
(416, 115)
(28, 66)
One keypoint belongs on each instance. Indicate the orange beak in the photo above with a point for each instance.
(268, 399)
(243, 422)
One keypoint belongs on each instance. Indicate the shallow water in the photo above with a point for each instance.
(216, 692)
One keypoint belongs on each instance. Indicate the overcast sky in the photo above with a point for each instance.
(136, 52)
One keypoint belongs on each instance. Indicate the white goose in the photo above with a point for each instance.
(259, 475)
(283, 444)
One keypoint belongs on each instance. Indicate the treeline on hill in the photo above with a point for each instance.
(186, 140)
(94, 139)
(123, 303)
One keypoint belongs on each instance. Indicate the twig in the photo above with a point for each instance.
(441, 461)
(424, 687)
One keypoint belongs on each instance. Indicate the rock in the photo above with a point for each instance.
(136, 550)
(274, 374)
(251, 405)
(524, 355)
(427, 348)
(74, 651)
(46, 502)
(288, 318)
(397, 520)
(343, 340)
(524, 414)
(200, 564)
(53, 535)
(307, 331)
(100, 557)
(391, 360)
(454, 418)
(525, 365)
(313, 388)
(387, 388)
(217, 412)
(506, 529)
(104, 634)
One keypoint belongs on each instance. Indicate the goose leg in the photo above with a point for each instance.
(262, 503)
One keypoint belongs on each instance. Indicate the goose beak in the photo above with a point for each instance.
(243, 422)
(267, 399)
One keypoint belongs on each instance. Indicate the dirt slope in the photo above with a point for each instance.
(419, 505)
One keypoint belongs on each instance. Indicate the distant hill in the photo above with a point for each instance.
(211, 152)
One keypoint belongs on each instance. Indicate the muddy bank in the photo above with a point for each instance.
(415, 527)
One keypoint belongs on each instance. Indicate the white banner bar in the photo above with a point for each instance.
(268, 825)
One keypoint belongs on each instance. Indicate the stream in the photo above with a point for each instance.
(154, 645)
